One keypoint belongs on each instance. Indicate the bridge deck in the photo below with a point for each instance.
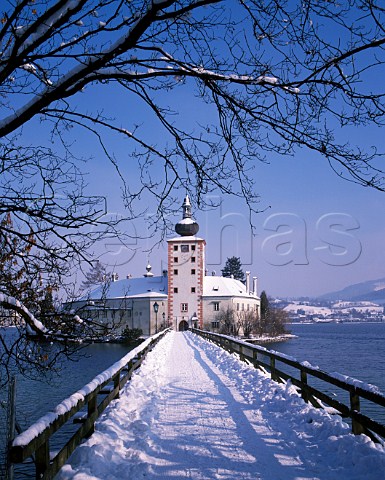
(194, 411)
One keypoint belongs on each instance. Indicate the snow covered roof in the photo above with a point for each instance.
(131, 287)
(224, 287)
(183, 239)
(186, 221)
(148, 287)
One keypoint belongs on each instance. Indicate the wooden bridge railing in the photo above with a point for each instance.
(82, 407)
(257, 356)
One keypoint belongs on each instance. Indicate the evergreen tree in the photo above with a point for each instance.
(95, 276)
(233, 267)
(264, 305)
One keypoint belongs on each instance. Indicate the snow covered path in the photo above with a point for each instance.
(195, 411)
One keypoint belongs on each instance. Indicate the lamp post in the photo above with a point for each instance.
(156, 308)
(163, 323)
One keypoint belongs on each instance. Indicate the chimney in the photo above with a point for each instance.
(248, 282)
(255, 286)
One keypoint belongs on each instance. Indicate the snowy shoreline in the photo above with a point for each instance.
(264, 340)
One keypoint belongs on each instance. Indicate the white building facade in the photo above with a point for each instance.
(182, 297)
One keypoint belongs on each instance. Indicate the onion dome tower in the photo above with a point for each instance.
(187, 227)
(186, 271)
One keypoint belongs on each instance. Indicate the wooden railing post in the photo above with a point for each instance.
(255, 359)
(11, 422)
(272, 369)
(304, 393)
(357, 428)
(117, 384)
(92, 406)
(42, 459)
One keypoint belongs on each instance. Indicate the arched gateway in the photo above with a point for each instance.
(183, 325)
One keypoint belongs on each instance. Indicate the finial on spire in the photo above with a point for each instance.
(186, 207)
(187, 226)
(148, 270)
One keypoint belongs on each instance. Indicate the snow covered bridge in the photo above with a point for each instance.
(195, 411)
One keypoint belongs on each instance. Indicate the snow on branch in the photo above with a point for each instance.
(12, 304)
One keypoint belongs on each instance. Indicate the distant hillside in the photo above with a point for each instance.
(372, 291)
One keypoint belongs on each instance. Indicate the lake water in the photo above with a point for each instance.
(354, 349)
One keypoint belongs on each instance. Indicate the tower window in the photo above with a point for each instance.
(192, 259)
(175, 271)
(193, 271)
(184, 248)
(192, 289)
(237, 307)
(216, 306)
(184, 307)
(175, 248)
(175, 259)
(193, 248)
(175, 289)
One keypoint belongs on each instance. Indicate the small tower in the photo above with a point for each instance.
(186, 268)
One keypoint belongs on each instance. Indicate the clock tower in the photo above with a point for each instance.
(186, 270)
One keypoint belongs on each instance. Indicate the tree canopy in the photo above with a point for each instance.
(96, 275)
(233, 267)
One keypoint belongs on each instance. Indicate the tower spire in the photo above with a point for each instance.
(186, 227)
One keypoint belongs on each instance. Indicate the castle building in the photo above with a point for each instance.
(183, 296)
